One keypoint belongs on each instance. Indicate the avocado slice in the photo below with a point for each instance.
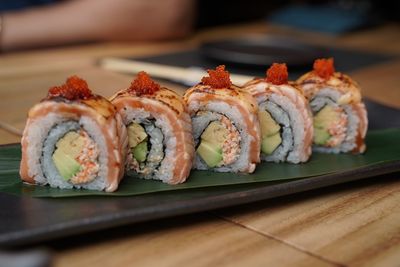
(65, 164)
(211, 154)
(212, 139)
(136, 134)
(71, 144)
(325, 117)
(321, 136)
(215, 133)
(268, 125)
(67, 149)
(270, 143)
(140, 151)
(322, 120)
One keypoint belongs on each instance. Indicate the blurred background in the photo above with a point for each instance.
(43, 23)
(44, 41)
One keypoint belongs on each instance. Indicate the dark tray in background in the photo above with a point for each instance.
(252, 51)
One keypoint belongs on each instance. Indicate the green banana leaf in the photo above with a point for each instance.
(382, 146)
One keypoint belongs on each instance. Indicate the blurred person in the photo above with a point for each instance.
(43, 23)
(38, 23)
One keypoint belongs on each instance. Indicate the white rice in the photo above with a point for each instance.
(42, 136)
(286, 114)
(328, 96)
(232, 113)
(162, 139)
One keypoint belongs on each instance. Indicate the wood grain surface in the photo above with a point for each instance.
(356, 224)
(197, 240)
(352, 226)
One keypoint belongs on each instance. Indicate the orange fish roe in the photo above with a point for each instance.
(324, 67)
(143, 85)
(73, 89)
(277, 74)
(218, 78)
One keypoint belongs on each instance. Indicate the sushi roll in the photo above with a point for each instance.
(226, 130)
(159, 131)
(285, 118)
(340, 117)
(74, 139)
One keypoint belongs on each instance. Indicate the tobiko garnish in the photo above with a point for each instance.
(218, 78)
(277, 74)
(143, 85)
(73, 89)
(324, 67)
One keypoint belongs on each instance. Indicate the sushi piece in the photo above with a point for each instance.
(74, 139)
(226, 130)
(159, 131)
(285, 117)
(340, 117)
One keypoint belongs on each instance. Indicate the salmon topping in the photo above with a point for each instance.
(218, 78)
(277, 74)
(143, 85)
(324, 67)
(74, 88)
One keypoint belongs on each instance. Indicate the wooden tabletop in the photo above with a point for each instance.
(355, 224)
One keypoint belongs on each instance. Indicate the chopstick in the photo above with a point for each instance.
(188, 76)
(11, 129)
